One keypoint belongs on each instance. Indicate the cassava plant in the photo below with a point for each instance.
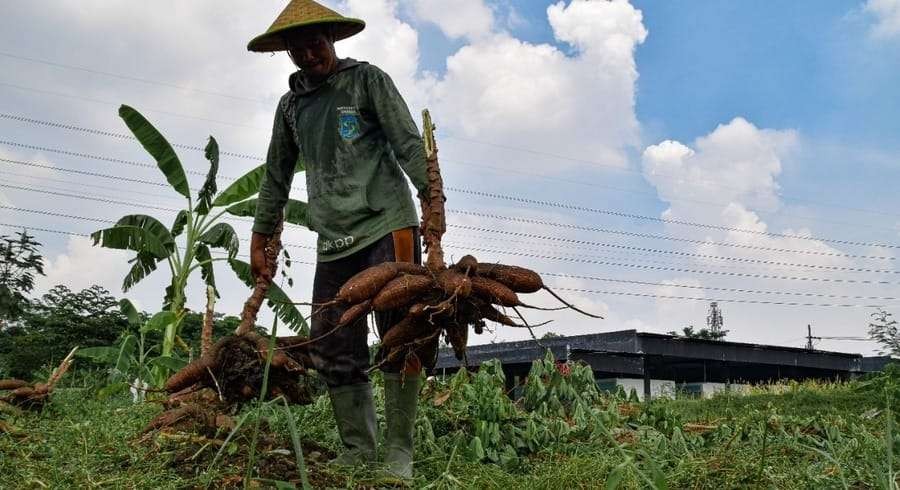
(186, 246)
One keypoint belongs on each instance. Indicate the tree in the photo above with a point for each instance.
(551, 335)
(197, 226)
(20, 262)
(60, 320)
(703, 334)
(883, 329)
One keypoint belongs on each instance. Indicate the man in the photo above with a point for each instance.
(346, 123)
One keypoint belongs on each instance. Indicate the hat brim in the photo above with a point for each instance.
(272, 41)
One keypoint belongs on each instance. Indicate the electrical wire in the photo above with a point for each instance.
(550, 274)
(523, 200)
(593, 164)
(660, 237)
(111, 134)
(648, 195)
(463, 212)
(131, 78)
(718, 300)
(117, 104)
(687, 271)
(577, 290)
(587, 244)
(620, 214)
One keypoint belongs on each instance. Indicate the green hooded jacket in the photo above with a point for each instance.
(354, 134)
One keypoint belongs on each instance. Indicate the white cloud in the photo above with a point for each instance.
(887, 17)
(508, 91)
(737, 163)
(471, 18)
(79, 267)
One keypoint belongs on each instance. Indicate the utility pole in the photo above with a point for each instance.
(809, 338)
(715, 320)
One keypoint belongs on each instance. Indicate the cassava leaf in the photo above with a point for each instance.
(180, 223)
(205, 196)
(222, 235)
(279, 300)
(155, 144)
(204, 258)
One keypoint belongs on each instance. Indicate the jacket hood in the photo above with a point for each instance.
(300, 85)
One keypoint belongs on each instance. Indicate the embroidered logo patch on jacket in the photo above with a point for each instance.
(348, 123)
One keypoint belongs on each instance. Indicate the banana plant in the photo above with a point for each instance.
(187, 245)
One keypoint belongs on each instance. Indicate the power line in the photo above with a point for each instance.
(650, 195)
(588, 291)
(719, 300)
(489, 194)
(122, 136)
(564, 240)
(131, 78)
(712, 288)
(655, 197)
(542, 223)
(688, 271)
(532, 255)
(117, 104)
(100, 158)
(592, 163)
(661, 237)
(621, 214)
(500, 196)
(94, 186)
(84, 172)
(669, 252)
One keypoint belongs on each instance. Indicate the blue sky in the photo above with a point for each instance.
(732, 115)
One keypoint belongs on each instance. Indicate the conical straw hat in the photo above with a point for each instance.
(302, 13)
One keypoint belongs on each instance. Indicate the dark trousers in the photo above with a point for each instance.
(342, 358)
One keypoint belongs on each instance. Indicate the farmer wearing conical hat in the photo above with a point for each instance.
(346, 123)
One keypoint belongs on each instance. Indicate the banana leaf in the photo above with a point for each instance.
(204, 258)
(209, 189)
(247, 186)
(155, 144)
(222, 235)
(295, 212)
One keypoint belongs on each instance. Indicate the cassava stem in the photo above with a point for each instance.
(251, 307)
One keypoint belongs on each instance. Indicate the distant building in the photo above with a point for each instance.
(655, 358)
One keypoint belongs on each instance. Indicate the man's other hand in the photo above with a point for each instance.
(258, 266)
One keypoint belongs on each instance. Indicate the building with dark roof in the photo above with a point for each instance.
(652, 356)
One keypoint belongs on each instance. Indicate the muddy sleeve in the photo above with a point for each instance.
(399, 127)
(279, 172)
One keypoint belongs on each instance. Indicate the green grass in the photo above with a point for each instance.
(808, 435)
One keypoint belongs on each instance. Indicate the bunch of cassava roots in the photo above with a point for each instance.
(437, 299)
(22, 394)
(230, 372)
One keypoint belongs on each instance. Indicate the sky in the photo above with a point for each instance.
(646, 157)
